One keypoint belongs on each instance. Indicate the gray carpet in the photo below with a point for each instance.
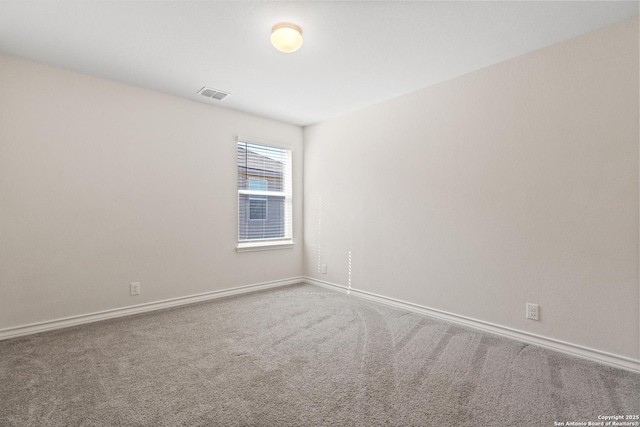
(297, 356)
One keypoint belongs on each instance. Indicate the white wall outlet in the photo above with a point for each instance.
(323, 269)
(135, 288)
(532, 311)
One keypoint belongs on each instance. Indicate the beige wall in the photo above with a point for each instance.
(103, 184)
(516, 183)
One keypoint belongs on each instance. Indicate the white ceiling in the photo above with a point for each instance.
(354, 53)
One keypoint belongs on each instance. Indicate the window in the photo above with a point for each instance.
(264, 196)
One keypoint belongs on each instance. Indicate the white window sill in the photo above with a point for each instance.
(264, 246)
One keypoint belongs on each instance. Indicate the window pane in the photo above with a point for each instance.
(260, 163)
(261, 217)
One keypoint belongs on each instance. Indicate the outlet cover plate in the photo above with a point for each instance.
(532, 311)
(135, 288)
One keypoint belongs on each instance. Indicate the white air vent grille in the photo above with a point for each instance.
(213, 93)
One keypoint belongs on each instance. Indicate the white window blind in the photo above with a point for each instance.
(264, 193)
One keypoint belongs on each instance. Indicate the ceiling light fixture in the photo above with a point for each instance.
(286, 37)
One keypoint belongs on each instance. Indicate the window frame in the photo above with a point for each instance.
(287, 194)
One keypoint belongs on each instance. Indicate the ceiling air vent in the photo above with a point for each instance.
(213, 93)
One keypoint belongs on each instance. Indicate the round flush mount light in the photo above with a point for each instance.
(286, 37)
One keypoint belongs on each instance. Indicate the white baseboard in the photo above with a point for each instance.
(526, 337)
(49, 325)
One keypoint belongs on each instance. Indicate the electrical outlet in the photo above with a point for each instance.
(135, 288)
(532, 311)
(324, 269)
